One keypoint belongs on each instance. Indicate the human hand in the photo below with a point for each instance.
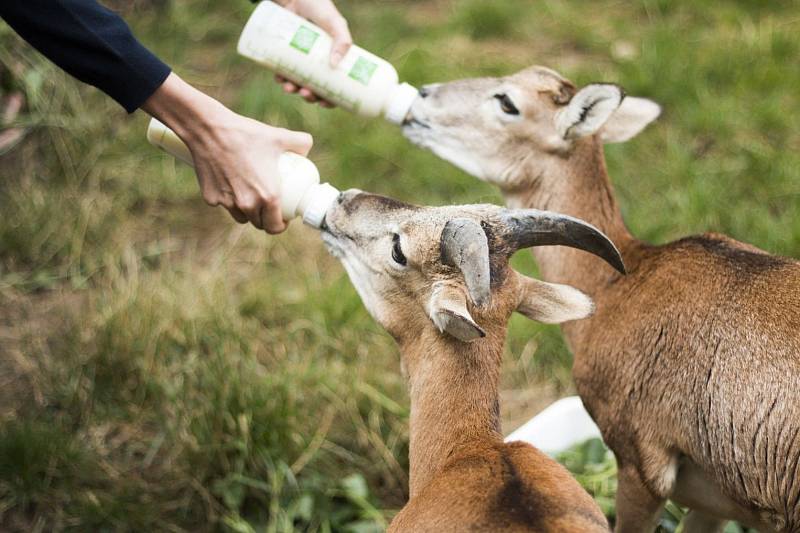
(235, 158)
(236, 161)
(324, 14)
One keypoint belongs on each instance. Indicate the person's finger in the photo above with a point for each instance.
(342, 40)
(255, 218)
(290, 87)
(238, 215)
(272, 219)
(250, 206)
(298, 142)
(228, 201)
(307, 95)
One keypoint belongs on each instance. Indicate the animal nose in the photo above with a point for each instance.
(348, 195)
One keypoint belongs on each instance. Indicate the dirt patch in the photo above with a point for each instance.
(433, 13)
(520, 405)
(25, 316)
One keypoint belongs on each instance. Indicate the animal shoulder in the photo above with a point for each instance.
(504, 487)
(727, 251)
(702, 271)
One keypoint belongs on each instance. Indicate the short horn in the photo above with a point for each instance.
(464, 246)
(530, 227)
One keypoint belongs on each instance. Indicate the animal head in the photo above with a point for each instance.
(447, 267)
(490, 126)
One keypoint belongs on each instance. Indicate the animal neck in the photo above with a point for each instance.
(453, 387)
(576, 184)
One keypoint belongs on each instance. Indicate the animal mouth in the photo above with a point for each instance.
(413, 122)
(335, 241)
(332, 243)
(417, 131)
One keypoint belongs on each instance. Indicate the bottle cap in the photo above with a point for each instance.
(402, 99)
(322, 197)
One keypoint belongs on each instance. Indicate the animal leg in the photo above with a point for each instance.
(697, 491)
(638, 509)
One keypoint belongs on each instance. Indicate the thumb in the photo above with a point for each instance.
(298, 142)
(342, 40)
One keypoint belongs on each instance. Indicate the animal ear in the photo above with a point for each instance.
(630, 118)
(447, 308)
(588, 110)
(552, 303)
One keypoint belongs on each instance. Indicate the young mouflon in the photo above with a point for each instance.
(691, 364)
(438, 280)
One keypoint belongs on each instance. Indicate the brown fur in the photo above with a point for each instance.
(691, 364)
(500, 487)
(693, 357)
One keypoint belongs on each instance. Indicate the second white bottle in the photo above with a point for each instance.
(300, 51)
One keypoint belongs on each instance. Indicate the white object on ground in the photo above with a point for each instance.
(300, 51)
(302, 195)
(562, 425)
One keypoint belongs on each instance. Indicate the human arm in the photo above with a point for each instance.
(90, 42)
(235, 157)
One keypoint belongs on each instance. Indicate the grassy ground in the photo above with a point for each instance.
(163, 369)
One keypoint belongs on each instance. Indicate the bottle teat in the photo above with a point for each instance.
(401, 102)
(320, 198)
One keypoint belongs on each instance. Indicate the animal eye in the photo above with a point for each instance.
(397, 251)
(506, 104)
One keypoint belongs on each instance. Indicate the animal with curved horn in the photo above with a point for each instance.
(691, 364)
(438, 280)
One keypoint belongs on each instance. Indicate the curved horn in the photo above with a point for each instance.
(531, 227)
(464, 245)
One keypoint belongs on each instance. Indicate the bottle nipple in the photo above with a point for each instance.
(316, 203)
(400, 104)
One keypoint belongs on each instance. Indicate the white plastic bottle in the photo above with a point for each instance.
(302, 194)
(300, 51)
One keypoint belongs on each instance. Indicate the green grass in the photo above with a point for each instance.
(164, 369)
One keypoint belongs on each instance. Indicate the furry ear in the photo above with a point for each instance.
(552, 303)
(588, 110)
(632, 116)
(447, 308)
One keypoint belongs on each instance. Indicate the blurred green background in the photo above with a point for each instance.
(162, 369)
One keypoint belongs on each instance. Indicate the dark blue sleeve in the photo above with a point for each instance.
(91, 43)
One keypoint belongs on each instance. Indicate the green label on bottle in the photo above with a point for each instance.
(304, 39)
(363, 70)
